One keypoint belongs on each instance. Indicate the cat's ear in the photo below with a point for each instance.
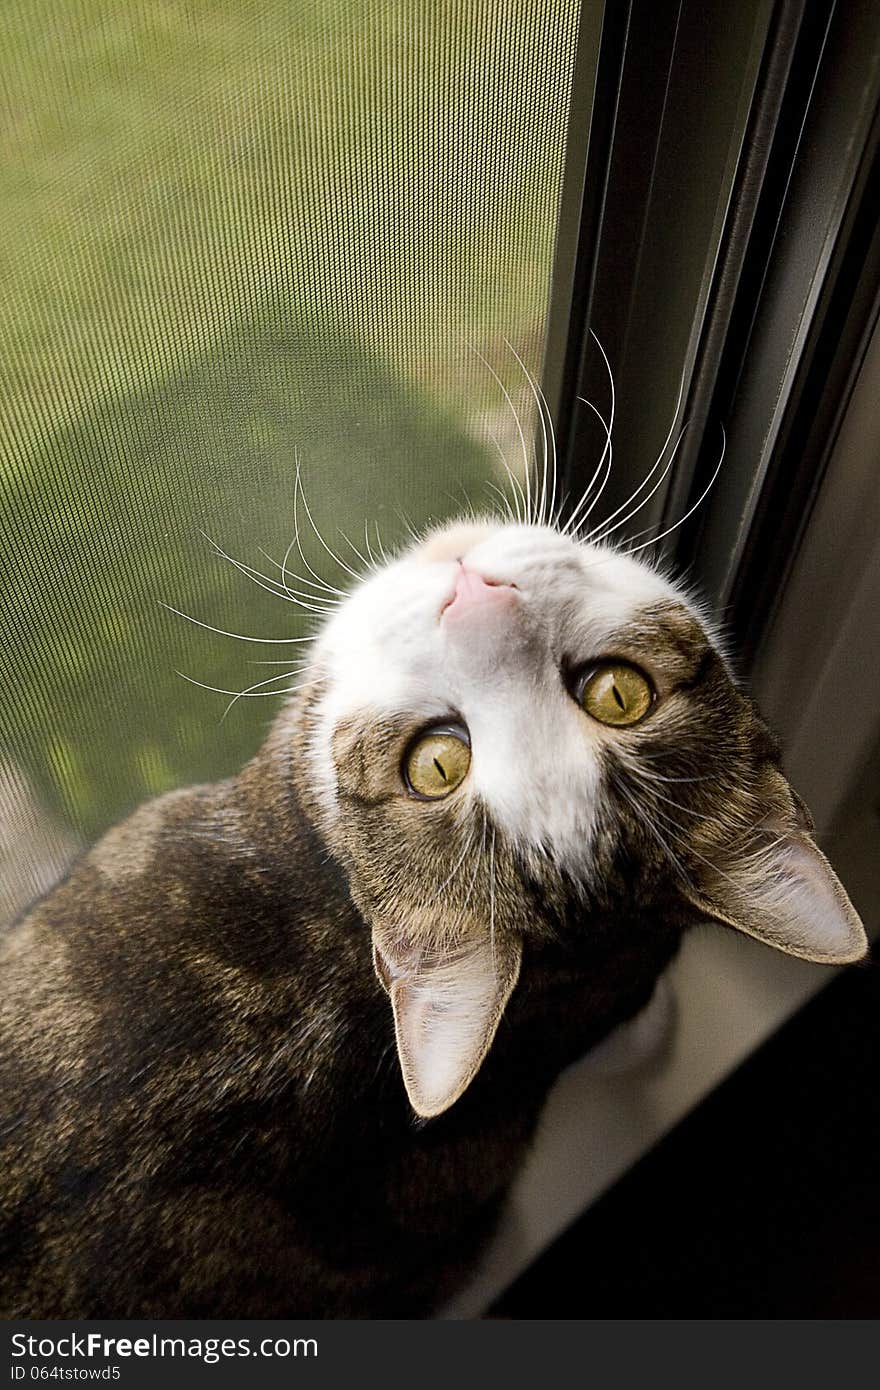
(785, 893)
(446, 1011)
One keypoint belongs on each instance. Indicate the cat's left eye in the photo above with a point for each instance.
(437, 762)
(615, 693)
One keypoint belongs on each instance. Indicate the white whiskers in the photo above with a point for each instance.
(332, 553)
(311, 603)
(506, 508)
(603, 531)
(707, 489)
(321, 591)
(516, 489)
(329, 589)
(548, 497)
(652, 829)
(575, 520)
(252, 692)
(519, 429)
(635, 502)
(222, 632)
(468, 846)
(649, 475)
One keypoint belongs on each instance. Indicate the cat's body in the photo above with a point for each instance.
(206, 1101)
(214, 1121)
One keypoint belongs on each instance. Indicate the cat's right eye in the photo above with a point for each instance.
(437, 762)
(616, 693)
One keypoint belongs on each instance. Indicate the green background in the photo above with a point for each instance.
(234, 233)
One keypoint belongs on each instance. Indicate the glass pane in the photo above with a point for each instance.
(240, 233)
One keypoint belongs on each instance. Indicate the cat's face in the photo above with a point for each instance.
(515, 733)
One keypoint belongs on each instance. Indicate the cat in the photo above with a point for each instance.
(275, 1047)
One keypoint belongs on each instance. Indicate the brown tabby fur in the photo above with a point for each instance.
(201, 1108)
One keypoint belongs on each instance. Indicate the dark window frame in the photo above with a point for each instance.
(793, 292)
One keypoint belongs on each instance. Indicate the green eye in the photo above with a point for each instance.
(618, 694)
(437, 762)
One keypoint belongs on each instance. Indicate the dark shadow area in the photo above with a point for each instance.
(764, 1203)
(103, 526)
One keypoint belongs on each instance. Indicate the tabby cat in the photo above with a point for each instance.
(275, 1047)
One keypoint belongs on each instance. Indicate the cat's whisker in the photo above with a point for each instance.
(673, 828)
(379, 546)
(240, 694)
(564, 499)
(251, 691)
(609, 449)
(312, 604)
(652, 828)
(519, 429)
(646, 780)
(324, 546)
(649, 475)
(463, 505)
(446, 882)
(477, 866)
(373, 560)
(670, 824)
(570, 528)
(555, 508)
(541, 514)
(408, 526)
(611, 385)
(506, 509)
(276, 661)
(282, 589)
(552, 518)
(603, 531)
(239, 636)
(364, 561)
(516, 490)
(646, 755)
(331, 589)
(657, 777)
(575, 521)
(703, 495)
(323, 589)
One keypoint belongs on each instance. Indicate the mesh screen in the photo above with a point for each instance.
(238, 232)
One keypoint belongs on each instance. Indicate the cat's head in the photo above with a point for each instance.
(515, 734)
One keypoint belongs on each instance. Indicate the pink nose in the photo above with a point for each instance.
(473, 591)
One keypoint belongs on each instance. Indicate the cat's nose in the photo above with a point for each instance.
(472, 592)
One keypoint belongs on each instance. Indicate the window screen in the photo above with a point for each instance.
(238, 234)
